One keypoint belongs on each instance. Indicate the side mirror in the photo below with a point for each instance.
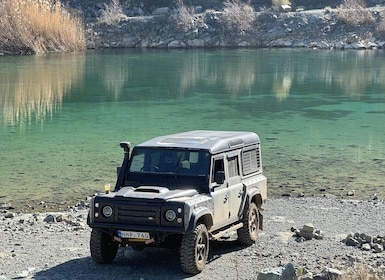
(219, 177)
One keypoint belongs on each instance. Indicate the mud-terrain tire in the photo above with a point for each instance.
(248, 233)
(194, 250)
(103, 248)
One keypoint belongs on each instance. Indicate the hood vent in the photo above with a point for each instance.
(150, 189)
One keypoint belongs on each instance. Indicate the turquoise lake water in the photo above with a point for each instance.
(319, 114)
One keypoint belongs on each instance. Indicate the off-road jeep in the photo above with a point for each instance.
(182, 190)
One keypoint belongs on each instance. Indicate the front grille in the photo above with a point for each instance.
(134, 213)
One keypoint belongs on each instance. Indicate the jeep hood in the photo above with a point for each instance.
(153, 192)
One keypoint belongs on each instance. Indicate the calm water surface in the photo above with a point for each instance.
(320, 116)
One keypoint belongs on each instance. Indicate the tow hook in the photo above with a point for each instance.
(117, 239)
(149, 241)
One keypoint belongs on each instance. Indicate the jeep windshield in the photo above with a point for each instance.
(169, 161)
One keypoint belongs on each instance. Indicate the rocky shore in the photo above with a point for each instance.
(299, 27)
(303, 238)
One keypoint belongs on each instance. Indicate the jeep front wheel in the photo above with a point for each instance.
(248, 233)
(194, 250)
(103, 248)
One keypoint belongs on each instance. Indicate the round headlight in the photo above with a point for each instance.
(170, 215)
(107, 211)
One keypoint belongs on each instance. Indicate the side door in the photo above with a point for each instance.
(219, 191)
(235, 186)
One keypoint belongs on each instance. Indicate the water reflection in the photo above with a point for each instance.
(245, 72)
(32, 88)
(355, 76)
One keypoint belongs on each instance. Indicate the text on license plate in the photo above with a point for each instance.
(133, 234)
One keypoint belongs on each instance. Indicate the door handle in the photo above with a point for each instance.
(240, 194)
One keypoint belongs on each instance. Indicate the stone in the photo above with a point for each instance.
(339, 45)
(285, 8)
(358, 46)
(161, 11)
(198, 9)
(323, 45)
(9, 215)
(378, 248)
(196, 43)
(332, 274)
(366, 247)
(352, 192)
(174, 44)
(50, 219)
(289, 272)
(308, 227)
(286, 272)
(350, 241)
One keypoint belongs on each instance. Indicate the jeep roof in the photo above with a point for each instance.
(211, 140)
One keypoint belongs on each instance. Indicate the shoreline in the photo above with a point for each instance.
(308, 29)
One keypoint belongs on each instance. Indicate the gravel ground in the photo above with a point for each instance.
(34, 246)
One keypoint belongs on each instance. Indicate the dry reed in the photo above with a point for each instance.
(39, 26)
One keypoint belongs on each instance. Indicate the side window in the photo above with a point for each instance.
(251, 160)
(137, 163)
(218, 166)
(233, 166)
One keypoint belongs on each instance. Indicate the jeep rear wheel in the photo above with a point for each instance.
(194, 250)
(248, 233)
(103, 248)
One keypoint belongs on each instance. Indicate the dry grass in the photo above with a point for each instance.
(33, 26)
(186, 17)
(113, 13)
(238, 15)
(353, 13)
(359, 272)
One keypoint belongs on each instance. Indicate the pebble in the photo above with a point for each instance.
(37, 254)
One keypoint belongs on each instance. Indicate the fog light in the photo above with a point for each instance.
(107, 211)
(170, 215)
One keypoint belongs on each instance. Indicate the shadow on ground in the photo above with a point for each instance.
(151, 263)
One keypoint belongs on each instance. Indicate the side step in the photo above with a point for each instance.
(223, 232)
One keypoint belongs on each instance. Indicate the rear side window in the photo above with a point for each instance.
(233, 167)
(251, 160)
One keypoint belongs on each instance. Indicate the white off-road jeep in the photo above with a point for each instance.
(182, 190)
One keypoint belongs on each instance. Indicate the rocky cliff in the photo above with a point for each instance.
(299, 27)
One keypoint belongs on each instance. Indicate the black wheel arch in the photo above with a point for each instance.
(254, 196)
(204, 216)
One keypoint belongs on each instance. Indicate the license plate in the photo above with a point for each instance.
(133, 234)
